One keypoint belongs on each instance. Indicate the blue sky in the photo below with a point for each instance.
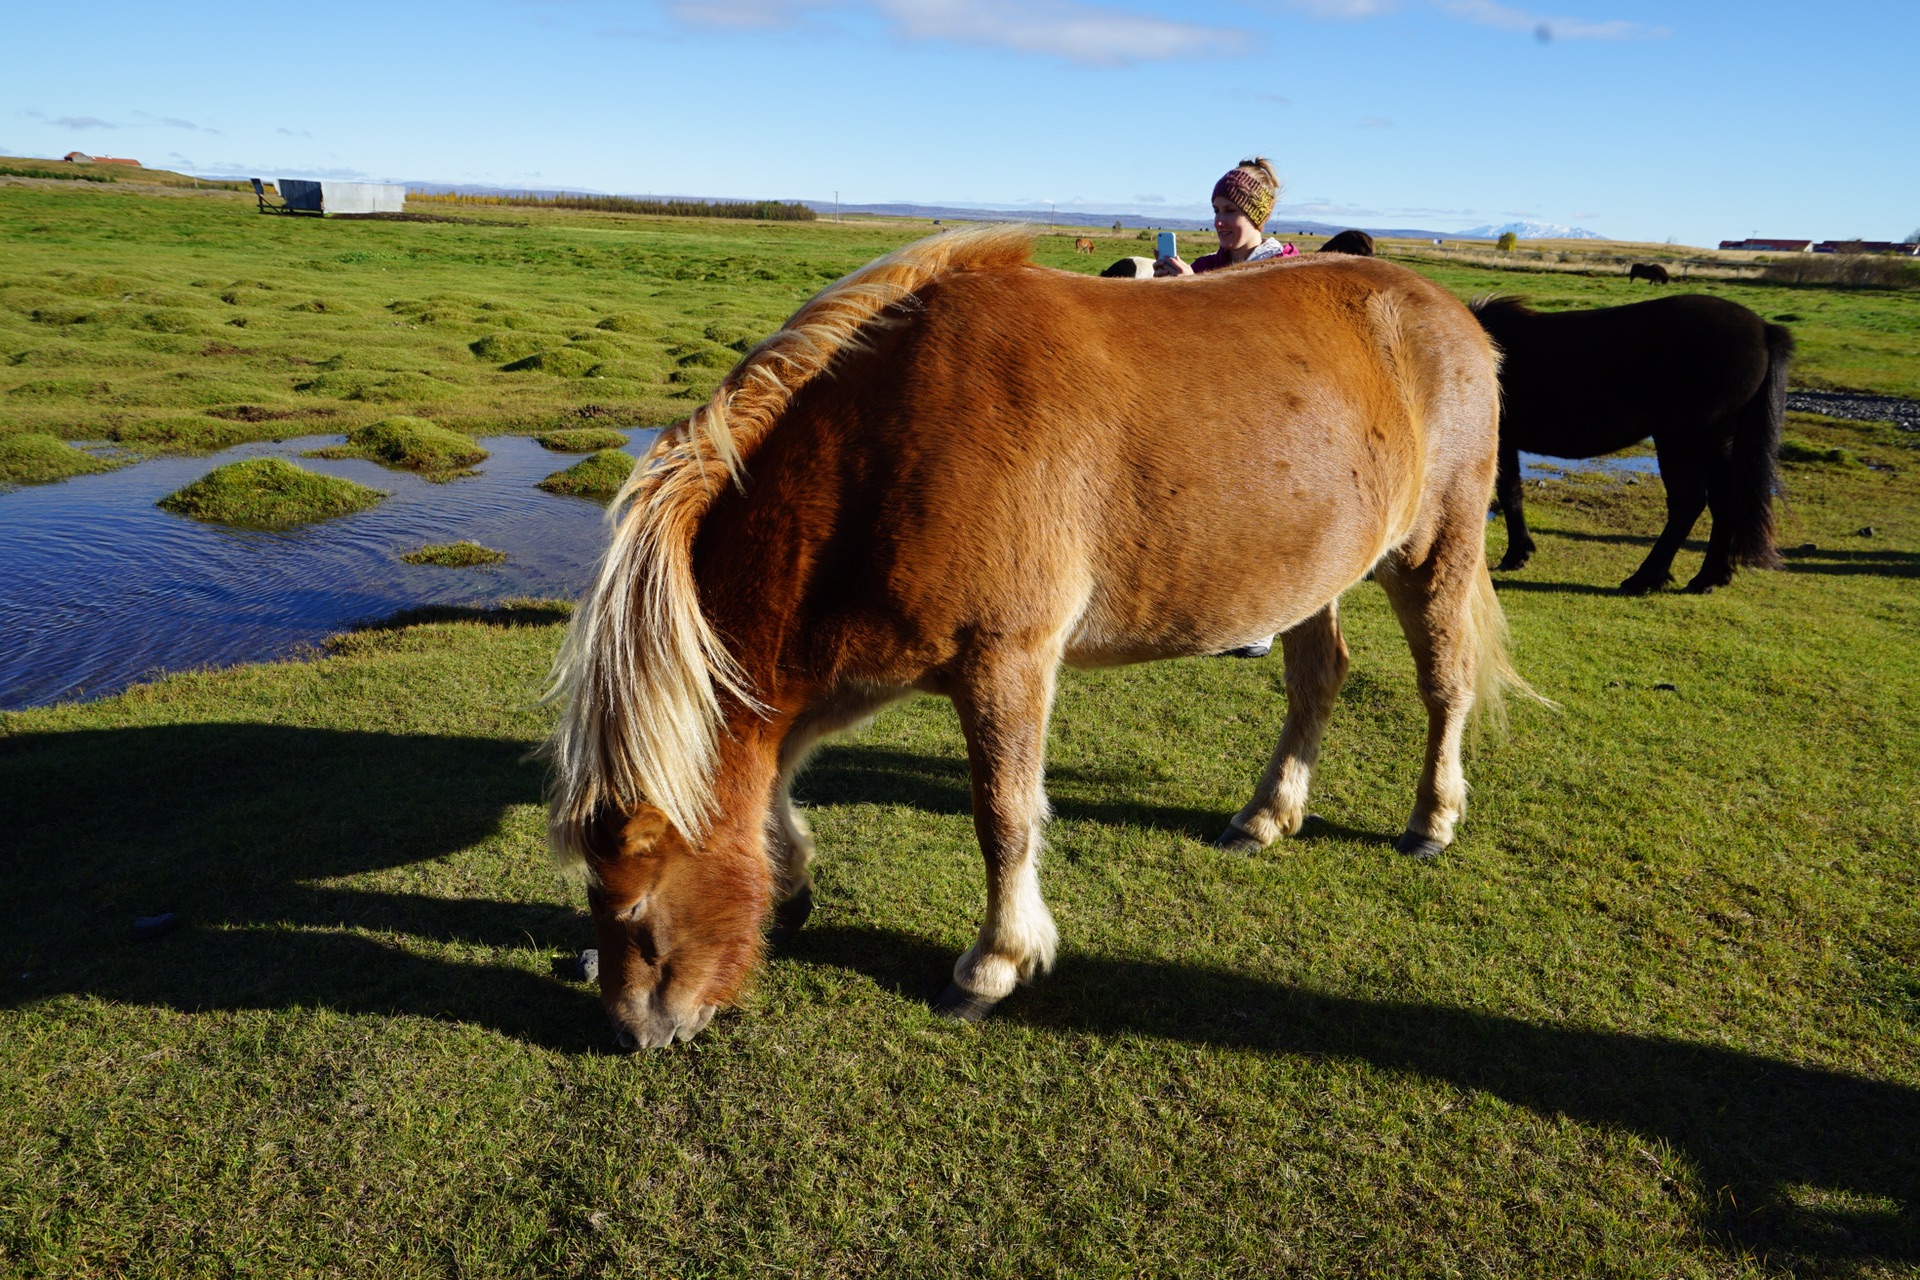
(1638, 120)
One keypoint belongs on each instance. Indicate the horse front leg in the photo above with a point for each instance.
(1003, 700)
(789, 836)
(1316, 665)
(1509, 489)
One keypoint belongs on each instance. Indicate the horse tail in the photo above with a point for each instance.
(642, 675)
(1494, 675)
(1753, 467)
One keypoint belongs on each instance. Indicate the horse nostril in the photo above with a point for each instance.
(625, 1039)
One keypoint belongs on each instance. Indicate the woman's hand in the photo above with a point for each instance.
(1171, 267)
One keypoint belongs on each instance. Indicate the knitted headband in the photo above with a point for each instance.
(1246, 192)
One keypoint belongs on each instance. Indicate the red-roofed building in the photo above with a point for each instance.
(81, 157)
(1769, 246)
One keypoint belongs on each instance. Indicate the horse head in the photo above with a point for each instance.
(678, 928)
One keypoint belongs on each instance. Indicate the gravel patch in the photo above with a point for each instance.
(1858, 407)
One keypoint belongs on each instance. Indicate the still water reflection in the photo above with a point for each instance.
(99, 588)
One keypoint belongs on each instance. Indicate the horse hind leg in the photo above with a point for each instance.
(1316, 665)
(790, 842)
(1686, 484)
(1444, 601)
(1003, 704)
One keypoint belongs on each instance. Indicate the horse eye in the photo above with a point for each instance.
(635, 912)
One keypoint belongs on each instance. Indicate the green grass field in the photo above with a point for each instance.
(1656, 1014)
(185, 321)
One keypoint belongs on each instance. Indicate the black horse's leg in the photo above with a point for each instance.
(1686, 482)
(1508, 489)
(1716, 568)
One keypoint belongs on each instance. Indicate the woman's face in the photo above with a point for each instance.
(1235, 231)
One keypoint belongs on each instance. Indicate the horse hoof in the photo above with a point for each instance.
(961, 1005)
(1235, 840)
(1419, 848)
(789, 916)
(1642, 586)
(1509, 563)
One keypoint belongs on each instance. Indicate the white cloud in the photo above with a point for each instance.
(1093, 35)
(1344, 8)
(174, 122)
(1487, 13)
(742, 15)
(85, 122)
(1375, 122)
(1072, 30)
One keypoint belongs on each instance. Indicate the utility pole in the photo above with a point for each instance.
(1049, 215)
(836, 206)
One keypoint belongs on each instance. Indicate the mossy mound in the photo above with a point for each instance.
(268, 493)
(628, 322)
(33, 458)
(499, 348)
(581, 439)
(598, 477)
(561, 362)
(454, 555)
(412, 443)
(1792, 450)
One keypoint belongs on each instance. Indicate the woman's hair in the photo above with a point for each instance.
(1251, 187)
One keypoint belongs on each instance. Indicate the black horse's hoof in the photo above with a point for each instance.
(1418, 847)
(1235, 840)
(1639, 586)
(789, 916)
(1510, 562)
(961, 1005)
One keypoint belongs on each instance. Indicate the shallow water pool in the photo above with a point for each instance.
(99, 588)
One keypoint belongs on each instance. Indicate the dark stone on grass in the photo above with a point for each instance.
(1666, 686)
(1865, 531)
(150, 928)
(584, 967)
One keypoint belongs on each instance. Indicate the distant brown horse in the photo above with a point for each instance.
(1651, 272)
(1083, 245)
(950, 473)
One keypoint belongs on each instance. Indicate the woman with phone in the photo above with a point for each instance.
(1242, 202)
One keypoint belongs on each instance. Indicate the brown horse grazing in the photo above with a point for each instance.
(1651, 272)
(1705, 377)
(953, 471)
(1083, 245)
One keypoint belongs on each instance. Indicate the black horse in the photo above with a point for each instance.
(1651, 272)
(1357, 243)
(1706, 378)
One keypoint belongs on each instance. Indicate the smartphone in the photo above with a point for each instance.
(1168, 248)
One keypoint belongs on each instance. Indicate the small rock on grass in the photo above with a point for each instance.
(148, 928)
(584, 967)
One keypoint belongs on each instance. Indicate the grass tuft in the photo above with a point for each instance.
(29, 457)
(1792, 450)
(598, 477)
(410, 443)
(454, 555)
(268, 493)
(581, 439)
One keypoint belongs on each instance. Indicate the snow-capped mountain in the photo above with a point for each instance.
(1529, 230)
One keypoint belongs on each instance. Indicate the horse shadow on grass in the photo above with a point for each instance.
(243, 832)
(1756, 1130)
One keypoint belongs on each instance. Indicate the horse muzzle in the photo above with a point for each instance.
(655, 1028)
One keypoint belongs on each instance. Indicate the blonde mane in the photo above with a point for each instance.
(641, 672)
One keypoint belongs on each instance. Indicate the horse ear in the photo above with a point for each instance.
(643, 832)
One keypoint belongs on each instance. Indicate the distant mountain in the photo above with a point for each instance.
(1529, 230)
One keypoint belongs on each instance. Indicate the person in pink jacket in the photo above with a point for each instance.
(1242, 203)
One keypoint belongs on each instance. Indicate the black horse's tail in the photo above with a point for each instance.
(1753, 470)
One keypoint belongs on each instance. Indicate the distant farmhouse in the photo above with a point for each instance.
(1824, 246)
(81, 157)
